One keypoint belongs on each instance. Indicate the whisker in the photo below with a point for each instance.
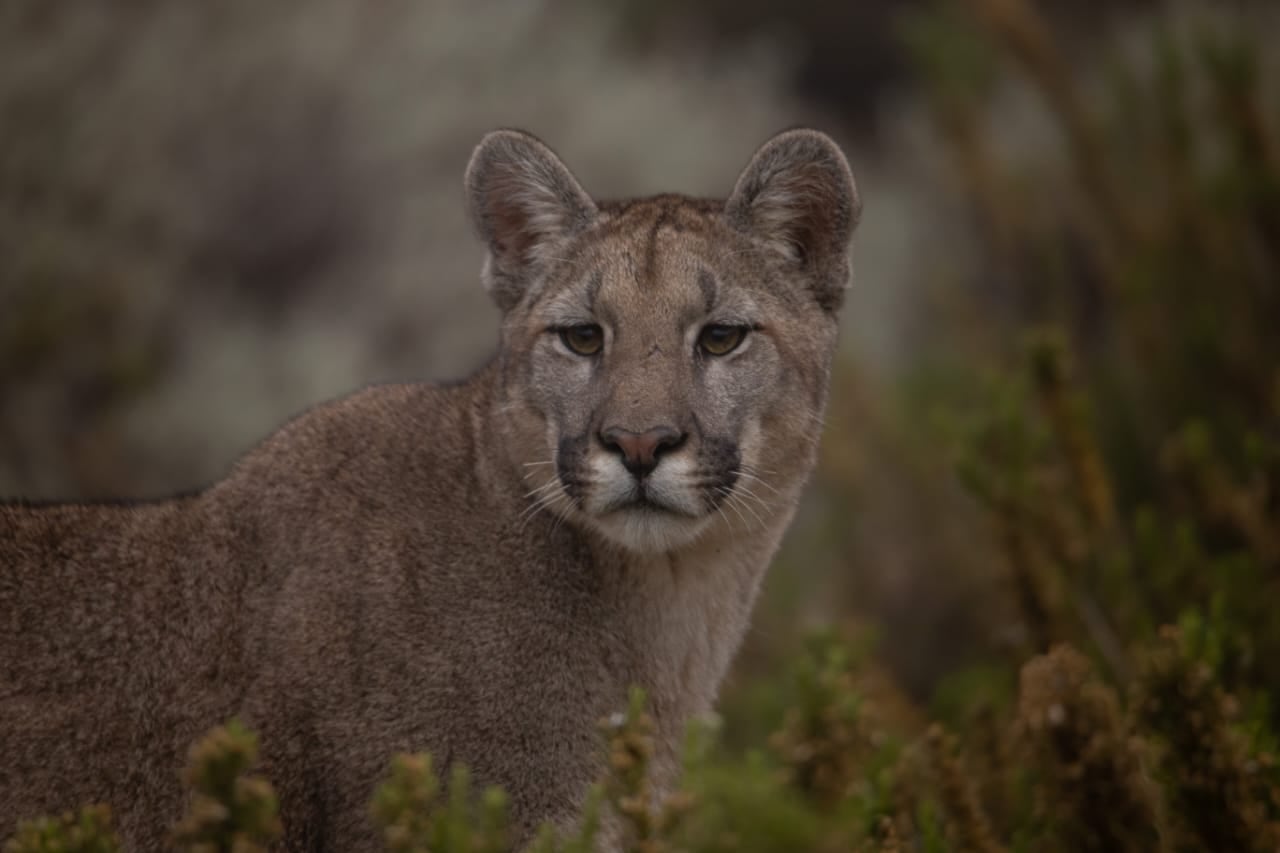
(562, 513)
(815, 417)
(532, 515)
(532, 510)
(747, 493)
(544, 487)
(746, 506)
(741, 486)
(725, 517)
(753, 478)
(728, 502)
(542, 502)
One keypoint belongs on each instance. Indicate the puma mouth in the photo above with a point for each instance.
(644, 525)
(645, 503)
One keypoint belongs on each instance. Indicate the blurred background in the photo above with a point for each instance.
(1055, 416)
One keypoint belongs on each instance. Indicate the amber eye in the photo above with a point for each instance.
(721, 340)
(585, 339)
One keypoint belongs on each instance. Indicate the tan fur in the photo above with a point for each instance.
(462, 569)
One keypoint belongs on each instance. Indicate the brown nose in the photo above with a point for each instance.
(640, 450)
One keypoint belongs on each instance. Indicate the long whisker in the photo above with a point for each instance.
(562, 513)
(552, 483)
(533, 509)
(815, 417)
(747, 493)
(543, 502)
(728, 502)
(535, 473)
(746, 506)
(725, 517)
(693, 482)
(753, 478)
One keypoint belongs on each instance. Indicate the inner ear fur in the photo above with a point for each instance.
(523, 202)
(797, 197)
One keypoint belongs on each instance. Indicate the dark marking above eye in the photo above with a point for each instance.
(707, 284)
(651, 249)
(593, 289)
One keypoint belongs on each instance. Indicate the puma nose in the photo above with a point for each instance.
(640, 450)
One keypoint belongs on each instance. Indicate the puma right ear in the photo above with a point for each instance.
(524, 203)
(797, 198)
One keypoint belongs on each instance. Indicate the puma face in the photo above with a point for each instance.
(666, 360)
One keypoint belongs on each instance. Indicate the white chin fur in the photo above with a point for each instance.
(650, 531)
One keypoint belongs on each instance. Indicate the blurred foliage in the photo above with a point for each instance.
(88, 831)
(414, 815)
(231, 810)
(1080, 770)
(831, 43)
(1126, 452)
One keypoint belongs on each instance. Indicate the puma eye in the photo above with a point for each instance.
(721, 340)
(585, 339)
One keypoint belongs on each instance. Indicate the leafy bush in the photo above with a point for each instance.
(1171, 769)
(88, 831)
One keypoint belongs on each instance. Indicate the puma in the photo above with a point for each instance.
(479, 570)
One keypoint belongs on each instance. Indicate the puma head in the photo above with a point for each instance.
(665, 361)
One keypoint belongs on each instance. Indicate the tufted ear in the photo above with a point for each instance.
(524, 203)
(798, 199)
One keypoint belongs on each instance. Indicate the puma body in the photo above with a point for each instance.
(480, 571)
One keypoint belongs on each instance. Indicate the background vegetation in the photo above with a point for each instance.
(1045, 532)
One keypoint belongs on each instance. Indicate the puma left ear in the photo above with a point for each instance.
(524, 202)
(797, 198)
